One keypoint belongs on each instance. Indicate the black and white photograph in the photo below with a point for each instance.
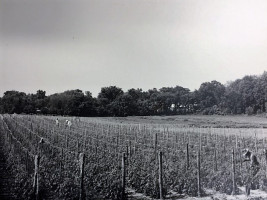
(133, 100)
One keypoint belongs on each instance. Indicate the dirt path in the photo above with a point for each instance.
(6, 179)
(212, 195)
(254, 195)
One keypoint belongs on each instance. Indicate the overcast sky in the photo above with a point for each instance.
(56, 45)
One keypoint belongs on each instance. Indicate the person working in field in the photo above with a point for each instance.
(57, 122)
(253, 169)
(68, 124)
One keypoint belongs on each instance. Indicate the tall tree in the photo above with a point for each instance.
(13, 101)
(88, 107)
(107, 100)
(210, 94)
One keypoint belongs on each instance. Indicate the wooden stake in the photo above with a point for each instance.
(187, 156)
(156, 141)
(36, 177)
(265, 152)
(233, 172)
(160, 176)
(81, 160)
(198, 175)
(123, 175)
(200, 142)
(256, 146)
(215, 160)
(236, 142)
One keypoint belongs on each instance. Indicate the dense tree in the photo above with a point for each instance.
(88, 106)
(261, 93)
(30, 104)
(40, 94)
(134, 101)
(210, 95)
(189, 103)
(1, 106)
(72, 102)
(56, 104)
(13, 102)
(107, 100)
(246, 95)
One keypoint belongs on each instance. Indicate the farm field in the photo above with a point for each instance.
(172, 157)
(215, 121)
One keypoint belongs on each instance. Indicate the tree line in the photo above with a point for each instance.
(247, 95)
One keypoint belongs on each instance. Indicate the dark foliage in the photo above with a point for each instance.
(242, 96)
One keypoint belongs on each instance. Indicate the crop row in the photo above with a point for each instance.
(103, 145)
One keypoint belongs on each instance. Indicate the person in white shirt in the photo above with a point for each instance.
(57, 122)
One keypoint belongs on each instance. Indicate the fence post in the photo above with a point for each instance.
(160, 176)
(198, 175)
(200, 146)
(233, 172)
(236, 141)
(240, 165)
(156, 141)
(81, 160)
(224, 138)
(215, 160)
(187, 156)
(123, 175)
(39, 146)
(36, 177)
(265, 152)
(127, 151)
(84, 143)
(256, 145)
(61, 161)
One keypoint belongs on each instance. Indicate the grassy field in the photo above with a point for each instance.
(216, 121)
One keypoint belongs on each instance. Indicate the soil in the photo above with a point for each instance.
(211, 195)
